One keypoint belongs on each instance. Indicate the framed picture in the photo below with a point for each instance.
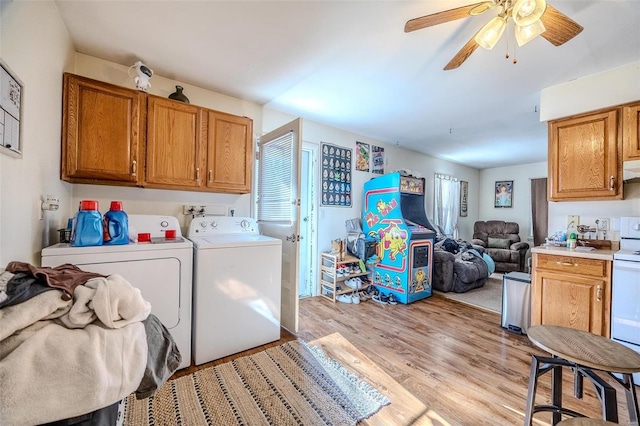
(362, 156)
(11, 96)
(377, 159)
(464, 197)
(336, 175)
(503, 194)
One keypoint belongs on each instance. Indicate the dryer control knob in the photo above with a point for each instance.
(164, 223)
(203, 224)
(245, 224)
(214, 224)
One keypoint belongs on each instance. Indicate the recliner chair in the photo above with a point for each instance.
(501, 241)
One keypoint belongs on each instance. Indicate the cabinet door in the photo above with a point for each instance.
(229, 153)
(174, 144)
(100, 132)
(569, 301)
(631, 132)
(584, 158)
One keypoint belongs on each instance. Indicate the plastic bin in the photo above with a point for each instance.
(516, 302)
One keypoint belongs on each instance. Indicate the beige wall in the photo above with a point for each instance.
(612, 87)
(521, 211)
(588, 211)
(331, 220)
(36, 46)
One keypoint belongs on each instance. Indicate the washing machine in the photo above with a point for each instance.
(162, 269)
(236, 286)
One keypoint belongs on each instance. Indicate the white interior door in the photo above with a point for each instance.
(278, 209)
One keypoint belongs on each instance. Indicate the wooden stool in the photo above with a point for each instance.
(583, 421)
(582, 352)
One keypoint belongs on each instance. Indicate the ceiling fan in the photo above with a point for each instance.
(530, 17)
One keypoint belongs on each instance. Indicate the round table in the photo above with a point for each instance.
(582, 352)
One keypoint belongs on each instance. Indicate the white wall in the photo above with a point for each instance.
(588, 211)
(332, 219)
(36, 46)
(521, 197)
(609, 88)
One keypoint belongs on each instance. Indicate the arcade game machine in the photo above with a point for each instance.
(394, 214)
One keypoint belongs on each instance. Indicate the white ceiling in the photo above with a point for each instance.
(350, 65)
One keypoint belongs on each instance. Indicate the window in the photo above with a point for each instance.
(447, 204)
(276, 186)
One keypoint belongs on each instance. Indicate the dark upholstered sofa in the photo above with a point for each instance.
(501, 241)
(452, 273)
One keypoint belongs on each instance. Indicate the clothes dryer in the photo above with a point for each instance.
(161, 268)
(236, 294)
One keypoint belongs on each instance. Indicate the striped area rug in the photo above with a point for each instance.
(290, 384)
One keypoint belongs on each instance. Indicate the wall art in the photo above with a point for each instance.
(362, 156)
(464, 198)
(336, 175)
(377, 159)
(11, 97)
(504, 194)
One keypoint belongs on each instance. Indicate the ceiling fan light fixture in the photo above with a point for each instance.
(489, 35)
(526, 12)
(525, 34)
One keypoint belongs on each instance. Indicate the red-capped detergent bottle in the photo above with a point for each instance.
(116, 225)
(87, 225)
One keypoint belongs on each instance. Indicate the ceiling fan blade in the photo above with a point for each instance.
(560, 28)
(463, 54)
(439, 18)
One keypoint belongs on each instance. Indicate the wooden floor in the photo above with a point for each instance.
(453, 359)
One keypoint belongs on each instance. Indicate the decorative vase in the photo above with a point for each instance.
(179, 96)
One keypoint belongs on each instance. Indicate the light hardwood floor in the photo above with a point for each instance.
(452, 358)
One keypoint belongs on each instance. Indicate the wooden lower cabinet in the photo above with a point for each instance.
(572, 292)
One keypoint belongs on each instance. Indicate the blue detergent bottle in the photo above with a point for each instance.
(116, 225)
(87, 225)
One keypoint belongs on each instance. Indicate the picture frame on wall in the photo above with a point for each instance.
(503, 194)
(464, 198)
(362, 156)
(336, 175)
(11, 100)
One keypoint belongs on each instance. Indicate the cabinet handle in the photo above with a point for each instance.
(210, 175)
(612, 181)
(197, 173)
(134, 168)
(566, 263)
(599, 293)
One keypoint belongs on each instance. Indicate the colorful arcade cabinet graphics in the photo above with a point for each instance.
(394, 214)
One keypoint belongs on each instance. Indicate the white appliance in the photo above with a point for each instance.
(625, 300)
(236, 288)
(162, 269)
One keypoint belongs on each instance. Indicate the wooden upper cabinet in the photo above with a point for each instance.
(174, 157)
(631, 131)
(585, 157)
(117, 136)
(229, 152)
(101, 136)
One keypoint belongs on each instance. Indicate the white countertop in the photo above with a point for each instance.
(563, 251)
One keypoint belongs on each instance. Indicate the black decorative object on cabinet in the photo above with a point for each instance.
(179, 96)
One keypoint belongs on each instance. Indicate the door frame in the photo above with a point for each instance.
(311, 191)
